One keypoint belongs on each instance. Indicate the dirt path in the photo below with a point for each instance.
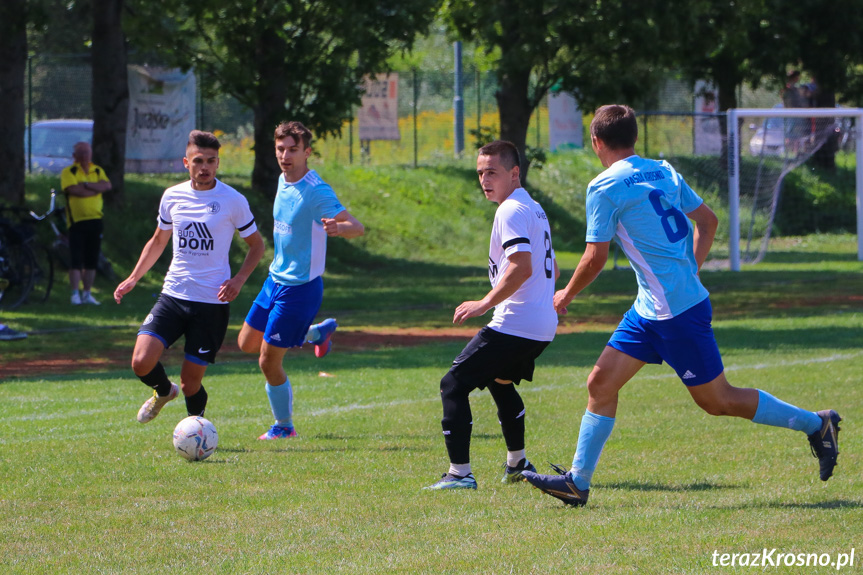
(344, 340)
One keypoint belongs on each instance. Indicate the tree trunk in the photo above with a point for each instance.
(110, 93)
(269, 111)
(515, 110)
(726, 83)
(825, 156)
(13, 62)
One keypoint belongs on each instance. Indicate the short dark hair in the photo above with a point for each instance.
(295, 129)
(616, 126)
(201, 139)
(506, 151)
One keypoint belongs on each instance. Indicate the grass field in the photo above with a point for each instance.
(86, 489)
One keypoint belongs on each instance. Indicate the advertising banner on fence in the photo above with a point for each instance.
(708, 138)
(565, 129)
(379, 114)
(161, 115)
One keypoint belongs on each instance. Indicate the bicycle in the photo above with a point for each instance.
(26, 266)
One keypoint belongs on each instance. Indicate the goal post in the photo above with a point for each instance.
(734, 118)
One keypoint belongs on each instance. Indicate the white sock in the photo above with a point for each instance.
(459, 469)
(513, 457)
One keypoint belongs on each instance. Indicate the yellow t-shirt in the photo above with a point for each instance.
(81, 209)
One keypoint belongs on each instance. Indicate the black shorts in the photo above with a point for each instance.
(85, 243)
(204, 325)
(493, 355)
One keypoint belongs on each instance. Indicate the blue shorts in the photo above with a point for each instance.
(686, 342)
(284, 313)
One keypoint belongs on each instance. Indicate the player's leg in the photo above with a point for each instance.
(292, 311)
(457, 423)
(718, 397)
(191, 378)
(511, 415)
(252, 333)
(629, 349)
(280, 394)
(691, 349)
(320, 334)
(205, 333)
(515, 360)
(475, 367)
(611, 372)
(162, 327)
(148, 368)
(249, 339)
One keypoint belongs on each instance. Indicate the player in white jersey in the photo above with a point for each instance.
(305, 212)
(645, 205)
(522, 271)
(200, 216)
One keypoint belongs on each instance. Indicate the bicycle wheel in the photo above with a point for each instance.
(43, 276)
(16, 270)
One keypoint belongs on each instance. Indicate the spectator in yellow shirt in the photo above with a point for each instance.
(84, 183)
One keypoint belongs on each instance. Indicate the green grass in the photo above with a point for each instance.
(88, 490)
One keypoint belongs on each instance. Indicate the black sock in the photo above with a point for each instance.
(510, 413)
(196, 404)
(158, 380)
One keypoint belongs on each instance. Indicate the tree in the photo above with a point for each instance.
(110, 93)
(600, 51)
(284, 59)
(13, 61)
(824, 39)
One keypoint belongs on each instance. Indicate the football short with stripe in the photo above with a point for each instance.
(685, 342)
(203, 324)
(285, 312)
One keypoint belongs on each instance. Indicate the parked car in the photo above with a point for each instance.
(771, 137)
(53, 143)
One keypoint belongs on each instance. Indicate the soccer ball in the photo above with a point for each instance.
(195, 438)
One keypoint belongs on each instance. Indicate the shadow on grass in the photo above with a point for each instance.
(832, 504)
(653, 486)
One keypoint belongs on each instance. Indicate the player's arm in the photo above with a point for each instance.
(706, 224)
(149, 255)
(343, 225)
(517, 272)
(231, 288)
(589, 267)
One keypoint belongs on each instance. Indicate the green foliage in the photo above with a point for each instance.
(816, 202)
(285, 60)
(482, 136)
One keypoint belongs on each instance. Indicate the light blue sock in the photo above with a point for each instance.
(594, 432)
(775, 412)
(282, 403)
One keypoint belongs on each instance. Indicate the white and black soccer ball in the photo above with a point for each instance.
(195, 438)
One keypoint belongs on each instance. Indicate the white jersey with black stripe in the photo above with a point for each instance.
(520, 225)
(203, 225)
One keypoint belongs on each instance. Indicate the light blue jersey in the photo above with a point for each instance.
(298, 234)
(642, 204)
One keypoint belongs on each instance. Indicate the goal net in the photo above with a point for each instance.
(764, 146)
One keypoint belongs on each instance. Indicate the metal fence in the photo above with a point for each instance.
(60, 87)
